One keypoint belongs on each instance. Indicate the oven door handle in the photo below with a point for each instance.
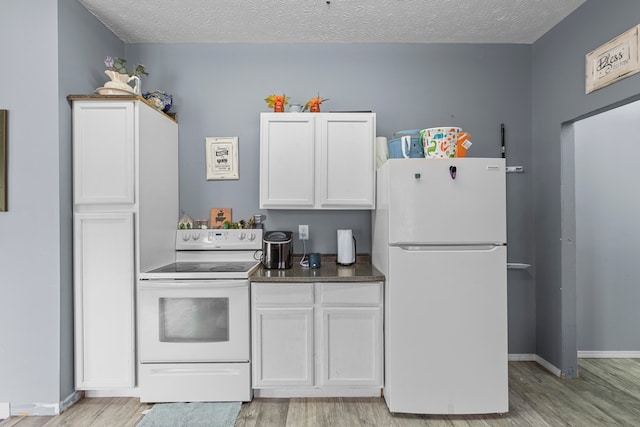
(192, 284)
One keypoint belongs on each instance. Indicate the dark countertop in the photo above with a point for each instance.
(329, 271)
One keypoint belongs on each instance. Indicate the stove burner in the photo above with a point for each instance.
(227, 268)
(181, 268)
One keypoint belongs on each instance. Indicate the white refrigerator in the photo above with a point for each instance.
(439, 237)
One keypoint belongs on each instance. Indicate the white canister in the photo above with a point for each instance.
(346, 247)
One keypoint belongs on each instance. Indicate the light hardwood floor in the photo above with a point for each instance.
(607, 394)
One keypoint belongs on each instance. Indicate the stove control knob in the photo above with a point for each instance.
(185, 236)
(195, 236)
(241, 235)
(252, 236)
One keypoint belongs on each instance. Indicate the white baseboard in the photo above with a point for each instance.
(521, 357)
(42, 409)
(548, 366)
(35, 409)
(318, 392)
(5, 411)
(128, 392)
(516, 357)
(581, 355)
(73, 398)
(609, 354)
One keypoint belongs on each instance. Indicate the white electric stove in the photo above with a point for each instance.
(193, 319)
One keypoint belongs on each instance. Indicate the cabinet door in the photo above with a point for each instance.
(103, 152)
(346, 168)
(287, 161)
(104, 308)
(283, 347)
(352, 346)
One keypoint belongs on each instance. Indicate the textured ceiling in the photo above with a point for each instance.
(330, 21)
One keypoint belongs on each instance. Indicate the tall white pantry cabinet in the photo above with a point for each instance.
(125, 212)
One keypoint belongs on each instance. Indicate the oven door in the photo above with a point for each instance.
(193, 321)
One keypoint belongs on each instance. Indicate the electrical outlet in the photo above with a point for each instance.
(303, 231)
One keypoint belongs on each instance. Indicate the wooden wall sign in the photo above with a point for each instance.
(218, 216)
(613, 61)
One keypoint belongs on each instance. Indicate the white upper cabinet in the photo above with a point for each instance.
(287, 160)
(346, 169)
(103, 155)
(317, 160)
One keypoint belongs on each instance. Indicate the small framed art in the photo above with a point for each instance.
(222, 157)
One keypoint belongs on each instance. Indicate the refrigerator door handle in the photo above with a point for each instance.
(452, 248)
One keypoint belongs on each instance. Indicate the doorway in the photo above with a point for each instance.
(606, 151)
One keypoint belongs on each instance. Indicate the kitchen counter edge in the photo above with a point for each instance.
(328, 272)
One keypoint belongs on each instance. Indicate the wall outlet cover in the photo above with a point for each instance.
(303, 231)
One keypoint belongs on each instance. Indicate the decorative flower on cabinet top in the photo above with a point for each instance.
(314, 104)
(277, 102)
(119, 65)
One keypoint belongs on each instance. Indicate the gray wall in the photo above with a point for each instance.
(49, 51)
(559, 97)
(607, 230)
(30, 281)
(219, 90)
(83, 42)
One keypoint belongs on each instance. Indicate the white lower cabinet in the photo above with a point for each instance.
(104, 309)
(284, 346)
(351, 341)
(317, 339)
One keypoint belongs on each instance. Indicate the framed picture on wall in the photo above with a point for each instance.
(222, 157)
(3, 160)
